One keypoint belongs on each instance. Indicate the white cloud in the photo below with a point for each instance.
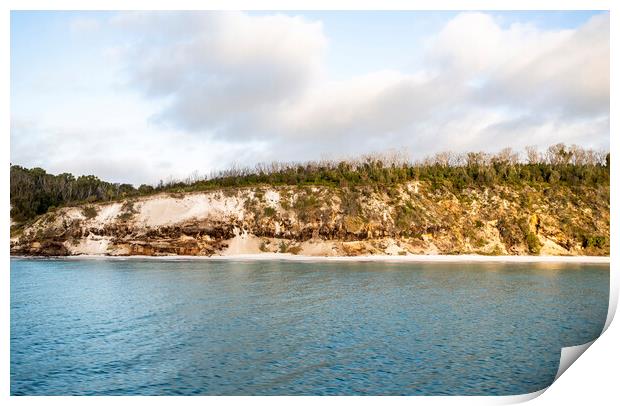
(241, 76)
(523, 67)
(115, 154)
(222, 71)
(480, 76)
(230, 87)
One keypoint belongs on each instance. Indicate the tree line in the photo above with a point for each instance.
(34, 191)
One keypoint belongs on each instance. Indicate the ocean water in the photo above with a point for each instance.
(175, 327)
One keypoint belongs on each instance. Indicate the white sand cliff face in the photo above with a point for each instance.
(107, 213)
(91, 245)
(167, 210)
(312, 221)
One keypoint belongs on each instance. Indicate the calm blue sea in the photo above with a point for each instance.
(175, 327)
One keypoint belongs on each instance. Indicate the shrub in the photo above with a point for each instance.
(510, 232)
(350, 204)
(406, 216)
(259, 194)
(593, 241)
(306, 206)
(533, 244)
(282, 247)
(127, 210)
(496, 250)
(89, 212)
(294, 249)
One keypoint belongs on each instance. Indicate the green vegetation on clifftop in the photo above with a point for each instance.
(35, 192)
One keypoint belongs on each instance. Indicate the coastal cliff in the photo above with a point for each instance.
(413, 217)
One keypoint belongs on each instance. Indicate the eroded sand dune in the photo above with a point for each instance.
(415, 219)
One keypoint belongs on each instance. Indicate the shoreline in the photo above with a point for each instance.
(361, 258)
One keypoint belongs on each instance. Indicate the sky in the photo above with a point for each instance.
(136, 97)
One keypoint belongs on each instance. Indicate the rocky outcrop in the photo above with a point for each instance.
(412, 218)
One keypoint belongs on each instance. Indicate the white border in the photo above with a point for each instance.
(594, 379)
(310, 5)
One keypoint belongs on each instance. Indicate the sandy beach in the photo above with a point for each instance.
(365, 258)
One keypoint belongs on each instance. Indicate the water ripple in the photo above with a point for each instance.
(136, 327)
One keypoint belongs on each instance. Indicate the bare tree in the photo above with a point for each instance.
(558, 154)
(507, 155)
(477, 158)
(532, 155)
(444, 158)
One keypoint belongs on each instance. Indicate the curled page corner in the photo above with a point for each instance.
(515, 399)
(569, 355)
(613, 305)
